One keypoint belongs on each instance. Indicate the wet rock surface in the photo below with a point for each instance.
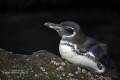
(43, 65)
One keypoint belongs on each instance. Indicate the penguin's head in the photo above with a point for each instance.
(65, 29)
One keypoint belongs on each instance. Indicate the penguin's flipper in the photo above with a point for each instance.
(102, 54)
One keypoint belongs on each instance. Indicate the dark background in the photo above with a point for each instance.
(22, 27)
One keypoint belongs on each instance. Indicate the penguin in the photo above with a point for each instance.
(84, 51)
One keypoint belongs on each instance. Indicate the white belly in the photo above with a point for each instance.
(67, 53)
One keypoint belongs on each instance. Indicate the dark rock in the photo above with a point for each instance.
(44, 65)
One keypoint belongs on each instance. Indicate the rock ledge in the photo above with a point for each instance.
(42, 65)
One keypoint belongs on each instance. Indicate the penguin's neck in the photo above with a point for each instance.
(76, 39)
(65, 42)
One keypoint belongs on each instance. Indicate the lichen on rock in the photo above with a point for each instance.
(42, 65)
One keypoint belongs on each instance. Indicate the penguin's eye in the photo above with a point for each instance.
(66, 27)
(70, 29)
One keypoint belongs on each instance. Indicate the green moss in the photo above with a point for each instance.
(3, 76)
(5, 63)
(53, 78)
(81, 76)
(35, 64)
(1, 66)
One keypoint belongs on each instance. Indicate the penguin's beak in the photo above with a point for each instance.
(52, 25)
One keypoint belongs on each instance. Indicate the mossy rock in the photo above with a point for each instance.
(41, 65)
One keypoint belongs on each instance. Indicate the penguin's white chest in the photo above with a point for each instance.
(67, 53)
